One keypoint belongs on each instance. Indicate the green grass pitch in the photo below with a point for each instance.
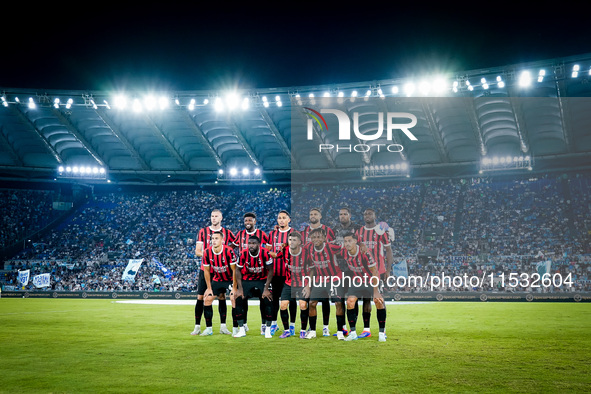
(98, 346)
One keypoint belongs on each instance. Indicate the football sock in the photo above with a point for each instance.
(285, 318)
(352, 317)
(381, 313)
(366, 320)
(326, 313)
(340, 322)
(304, 318)
(223, 310)
(313, 322)
(198, 311)
(293, 311)
(208, 314)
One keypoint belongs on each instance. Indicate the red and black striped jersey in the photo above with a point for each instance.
(324, 260)
(375, 239)
(241, 239)
(254, 267)
(295, 265)
(306, 234)
(219, 263)
(277, 238)
(359, 264)
(204, 237)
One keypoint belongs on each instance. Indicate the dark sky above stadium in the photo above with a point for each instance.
(177, 46)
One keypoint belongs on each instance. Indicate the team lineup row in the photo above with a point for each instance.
(286, 268)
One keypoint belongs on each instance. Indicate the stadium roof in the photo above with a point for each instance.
(542, 109)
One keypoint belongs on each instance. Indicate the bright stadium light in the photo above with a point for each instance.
(484, 83)
(575, 72)
(257, 171)
(541, 75)
(233, 171)
(32, 103)
(409, 88)
(245, 171)
(524, 79)
(218, 104)
(137, 106)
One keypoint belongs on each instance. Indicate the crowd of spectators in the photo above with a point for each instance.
(476, 225)
(24, 212)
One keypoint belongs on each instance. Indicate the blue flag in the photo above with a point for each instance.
(167, 273)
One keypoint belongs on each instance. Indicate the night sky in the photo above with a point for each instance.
(174, 46)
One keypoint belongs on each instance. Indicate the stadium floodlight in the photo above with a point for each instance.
(575, 72)
(326, 94)
(368, 93)
(218, 104)
(205, 101)
(232, 101)
(137, 106)
(32, 104)
(68, 169)
(394, 89)
(311, 95)
(191, 105)
(149, 103)
(500, 82)
(354, 93)
(383, 171)
(101, 170)
(424, 87)
(56, 103)
(60, 168)
(245, 171)
(221, 171)
(524, 78)
(75, 169)
(163, 102)
(245, 103)
(120, 102)
(455, 86)
(257, 171)
(409, 88)
(341, 94)
(541, 75)
(439, 85)
(484, 83)
(233, 171)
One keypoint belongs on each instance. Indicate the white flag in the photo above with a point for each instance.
(43, 280)
(23, 277)
(132, 268)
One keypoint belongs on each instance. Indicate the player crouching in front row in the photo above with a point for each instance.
(364, 284)
(253, 277)
(219, 262)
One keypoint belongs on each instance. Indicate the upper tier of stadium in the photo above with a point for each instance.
(540, 110)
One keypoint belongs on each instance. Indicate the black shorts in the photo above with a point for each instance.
(276, 286)
(323, 292)
(253, 288)
(221, 287)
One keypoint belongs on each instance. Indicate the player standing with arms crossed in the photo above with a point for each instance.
(377, 241)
